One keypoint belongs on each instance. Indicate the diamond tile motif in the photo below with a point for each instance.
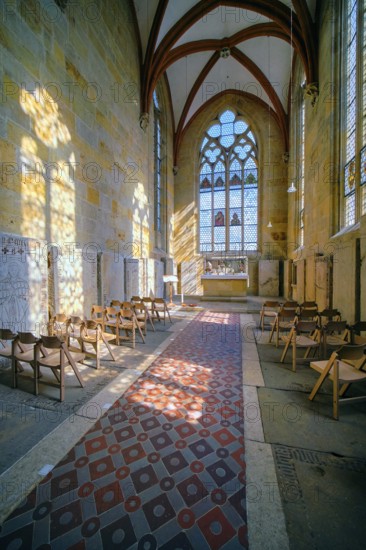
(164, 467)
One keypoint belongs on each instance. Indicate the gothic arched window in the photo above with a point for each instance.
(228, 186)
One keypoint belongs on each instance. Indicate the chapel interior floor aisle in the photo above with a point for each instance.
(163, 468)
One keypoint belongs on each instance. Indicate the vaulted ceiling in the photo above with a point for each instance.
(207, 47)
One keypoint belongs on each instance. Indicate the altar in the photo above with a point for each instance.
(232, 286)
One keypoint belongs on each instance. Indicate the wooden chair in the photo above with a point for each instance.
(111, 321)
(161, 308)
(129, 324)
(141, 315)
(329, 315)
(334, 335)
(60, 325)
(149, 303)
(343, 367)
(270, 310)
(74, 332)
(285, 320)
(24, 352)
(7, 337)
(59, 360)
(97, 314)
(91, 333)
(356, 331)
(304, 335)
(310, 304)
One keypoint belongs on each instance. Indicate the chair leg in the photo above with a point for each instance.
(335, 390)
(274, 326)
(294, 354)
(322, 377)
(109, 349)
(285, 350)
(62, 378)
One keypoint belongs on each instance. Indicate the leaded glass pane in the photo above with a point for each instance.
(219, 220)
(235, 216)
(219, 199)
(206, 235)
(235, 237)
(214, 131)
(350, 213)
(250, 235)
(205, 218)
(226, 208)
(205, 140)
(212, 153)
(227, 141)
(235, 197)
(251, 136)
(219, 238)
(227, 116)
(349, 177)
(206, 201)
(250, 196)
(240, 127)
(363, 200)
(363, 166)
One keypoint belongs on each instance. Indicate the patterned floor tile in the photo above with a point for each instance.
(163, 468)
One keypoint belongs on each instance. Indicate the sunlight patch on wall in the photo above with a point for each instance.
(140, 221)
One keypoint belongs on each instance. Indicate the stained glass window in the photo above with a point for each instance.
(157, 162)
(302, 175)
(355, 102)
(228, 186)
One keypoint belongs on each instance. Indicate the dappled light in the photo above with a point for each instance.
(44, 111)
(140, 220)
(48, 197)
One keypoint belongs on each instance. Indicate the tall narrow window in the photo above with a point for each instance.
(228, 186)
(301, 205)
(157, 164)
(355, 100)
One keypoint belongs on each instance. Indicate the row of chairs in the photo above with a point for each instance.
(321, 333)
(49, 352)
(70, 339)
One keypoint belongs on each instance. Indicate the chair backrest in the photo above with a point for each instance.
(127, 305)
(51, 342)
(116, 304)
(308, 314)
(359, 327)
(127, 314)
(27, 338)
(60, 318)
(111, 316)
(287, 314)
(351, 351)
(290, 304)
(335, 326)
(306, 326)
(330, 314)
(76, 320)
(97, 312)
(160, 301)
(271, 304)
(310, 304)
(135, 299)
(7, 334)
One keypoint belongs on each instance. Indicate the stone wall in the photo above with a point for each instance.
(322, 237)
(76, 166)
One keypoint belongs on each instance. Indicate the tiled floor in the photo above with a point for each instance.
(164, 468)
